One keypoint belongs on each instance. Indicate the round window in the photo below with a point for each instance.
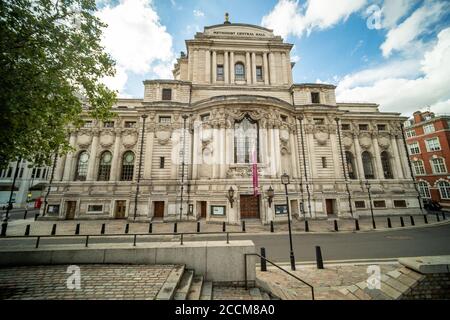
(84, 157)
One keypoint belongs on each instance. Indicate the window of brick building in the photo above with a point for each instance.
(410, 133)
(414, 148)
(433, 144)
(428, 128)
(438, 165)
(418, 166)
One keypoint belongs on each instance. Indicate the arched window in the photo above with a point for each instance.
(127, 166)
(350, 165)
(444, 189)
(104, 167)
(82, 166)
(386, 163)
(367, 165)
(246, 141)
(239, 71)
(424, 189)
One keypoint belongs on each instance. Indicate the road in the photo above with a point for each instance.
(433, 240)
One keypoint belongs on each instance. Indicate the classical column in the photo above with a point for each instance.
(207, 66)
(59, 170)
(254, 68)
(283, 67)
(176, 149)
(265, 69)
(276, 131)
(231, 67)
(216, 153)
(272, 75)
(398, 164)
(358, 157)
(404, 157)
(294, 160)
(92, 156)
(248, 73)
(148, 157)
(196, 149)
(69, 158)
(195, 71)
(336, 154)
(272, 167)
(226, 67)
(223, 148)
(116, 157)
(377, 156)
(311, 154)
(214, 67)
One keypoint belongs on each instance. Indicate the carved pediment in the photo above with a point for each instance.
(129, 140)
(321, 137)
(163, 137)
(84, 140)
(106, 139)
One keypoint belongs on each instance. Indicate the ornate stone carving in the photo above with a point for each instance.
(84, 140)
(242, 171)
(383, 142)
(365, 142)
(106, 139)
(321, 137)
(347, 142)
(129, 140)
(163, 136)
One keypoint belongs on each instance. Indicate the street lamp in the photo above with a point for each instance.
(370, 203)
(270, 195)
(144, 116)
(230, 196)
(184, 116)
(285, 181)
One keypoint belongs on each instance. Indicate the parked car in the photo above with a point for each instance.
(431, 205)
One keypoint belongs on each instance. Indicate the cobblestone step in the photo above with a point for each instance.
(184, 285)
(206, 291)
(167, 291)
(195, 290)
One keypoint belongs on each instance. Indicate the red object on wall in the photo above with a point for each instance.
(37, 203)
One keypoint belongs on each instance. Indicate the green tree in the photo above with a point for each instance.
(51, 64)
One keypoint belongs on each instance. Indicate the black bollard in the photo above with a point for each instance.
(25, 214)
(223, 227)
(103, 229)
(336, 228)
(54, 229)
(271, 226)
(243, 226)
(27, 230)
(263, 261)
(127, 228)
(402, 223)
(412, 220)
(198, 226)
(4, 227)
(425, 219)
(389, 223)
(36, 216)
(306, 226)
(150, 228)
(319, 259)
(77, 229)
(175, 227)
(356, 224)
(443, 216)
(437, 217)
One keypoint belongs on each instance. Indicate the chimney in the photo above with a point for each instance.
(417, 117)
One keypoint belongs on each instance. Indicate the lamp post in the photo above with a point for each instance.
(144, 116)
(285, 181)
(184, 116)
(230, 196)
(370, 204)
(270, 195)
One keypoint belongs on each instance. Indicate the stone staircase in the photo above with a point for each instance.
(184, 284)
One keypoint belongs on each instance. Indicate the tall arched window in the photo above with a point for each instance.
(127, 166)
(367, 165)
(350, 165)
(82, 166)
(386, 163)
(444, 189)
(424, 189)
(239, 71)
(246, 141)
(104, 168)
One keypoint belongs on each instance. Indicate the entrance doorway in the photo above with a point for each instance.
(70, 209)
(203, 205)
(158, 211)
(121, 206)
(330, 206)
(249, 207)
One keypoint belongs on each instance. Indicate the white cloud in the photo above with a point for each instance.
(394, 10)
(395, 90)
(136, 39)
(289, 17)
(198, 13)
(405, 35)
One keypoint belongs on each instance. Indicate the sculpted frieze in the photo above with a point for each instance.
(84, 139)
(106, 139)
(383, 142)
(163, 136)
(129, 139)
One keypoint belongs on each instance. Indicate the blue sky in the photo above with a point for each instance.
(391, 52)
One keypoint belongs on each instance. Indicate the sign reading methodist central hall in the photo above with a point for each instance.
(213, 141)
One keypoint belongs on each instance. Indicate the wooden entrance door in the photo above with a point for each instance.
(159, 209)
(249, 206)
(202, 209)
(121, 206)
(329, 205)
(70, 209)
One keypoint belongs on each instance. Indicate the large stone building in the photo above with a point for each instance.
(233, 102)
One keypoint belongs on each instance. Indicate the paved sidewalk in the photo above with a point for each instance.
(123, 282)
(17, 227)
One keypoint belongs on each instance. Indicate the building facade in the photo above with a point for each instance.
(178, 152)
(428, 139)
(30, 184)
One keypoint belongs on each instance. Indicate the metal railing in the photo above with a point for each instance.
(274, 264)
(115, 235)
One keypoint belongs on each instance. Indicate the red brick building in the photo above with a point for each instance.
(428, 140)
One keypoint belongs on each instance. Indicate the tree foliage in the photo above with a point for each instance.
(51, 64)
